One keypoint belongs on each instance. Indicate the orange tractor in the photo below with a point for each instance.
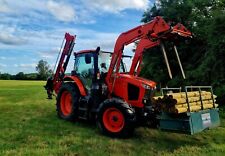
(100, 89)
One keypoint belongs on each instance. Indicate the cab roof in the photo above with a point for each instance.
(85, 51)
(93, 50)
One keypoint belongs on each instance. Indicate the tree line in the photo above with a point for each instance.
(42, 68)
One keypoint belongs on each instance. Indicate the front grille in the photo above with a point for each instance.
(133, 92)
(147, 97)
(147, 94)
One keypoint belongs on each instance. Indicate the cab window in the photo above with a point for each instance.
(84, 68)
(104, 60)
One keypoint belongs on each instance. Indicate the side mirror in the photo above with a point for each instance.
(87, 59)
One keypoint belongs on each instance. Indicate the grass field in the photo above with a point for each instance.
(29, 126)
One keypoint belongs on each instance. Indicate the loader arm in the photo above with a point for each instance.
(141, 46)
(155, 27)
(146, 43)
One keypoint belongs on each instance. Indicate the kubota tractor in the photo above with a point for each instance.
(100, 89)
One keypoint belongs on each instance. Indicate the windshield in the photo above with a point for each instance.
(105, 60)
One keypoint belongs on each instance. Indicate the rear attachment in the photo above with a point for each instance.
(190, 112)
(55, 82)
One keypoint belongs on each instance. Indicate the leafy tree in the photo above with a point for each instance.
(20, 76)
(203, 58)
(150, 14)
(32, 76)
(43, 69)
(5, 76)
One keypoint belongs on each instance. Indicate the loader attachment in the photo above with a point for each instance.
(179, 62)
(176, 31)
(167, 62)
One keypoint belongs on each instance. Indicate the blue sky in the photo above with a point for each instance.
(31, 30)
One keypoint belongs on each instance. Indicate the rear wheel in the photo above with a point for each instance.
(116, 118)
(67, 102)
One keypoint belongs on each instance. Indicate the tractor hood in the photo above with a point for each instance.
(139, 80)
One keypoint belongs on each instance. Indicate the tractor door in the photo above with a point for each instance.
(85, 68)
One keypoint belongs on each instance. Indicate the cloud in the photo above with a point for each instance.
(50, 54)
(61, 11)
(11, 35)
(2, 58)
(22, 65)
(2, 65)
(4, 8)
(115, 6)
(10, 39)
(86, 41)
(8, 58)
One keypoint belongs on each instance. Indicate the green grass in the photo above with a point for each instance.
(29, 126)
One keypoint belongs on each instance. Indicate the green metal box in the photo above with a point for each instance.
(190, 122)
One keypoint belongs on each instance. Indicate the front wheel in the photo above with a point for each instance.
(116, 118)
(67, 102)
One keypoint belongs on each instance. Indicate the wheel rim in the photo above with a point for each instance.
(113, 120)
(66, 103)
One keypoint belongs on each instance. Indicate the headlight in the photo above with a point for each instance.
(145, 86)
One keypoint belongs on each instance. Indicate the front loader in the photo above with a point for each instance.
(100, 89)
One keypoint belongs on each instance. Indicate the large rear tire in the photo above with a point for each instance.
(116, 118)
(67, 102)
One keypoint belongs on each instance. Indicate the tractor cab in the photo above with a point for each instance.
(91, 66)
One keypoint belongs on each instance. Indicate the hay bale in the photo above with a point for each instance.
(206, 106)
(207, 101)
(210, 105)
(190, 94)
(195, 108)
(175, 95)
(206, 97)
(196, 93)
(193, 99)
(183, 95)
(180, 110)
(177, 103)
(179, 106)
(203, 92)
(180, 100)
(199, 103)
(190, 104)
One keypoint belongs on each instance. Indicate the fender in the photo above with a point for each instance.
(78, 82)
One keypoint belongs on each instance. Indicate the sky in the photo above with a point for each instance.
(31, 30)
